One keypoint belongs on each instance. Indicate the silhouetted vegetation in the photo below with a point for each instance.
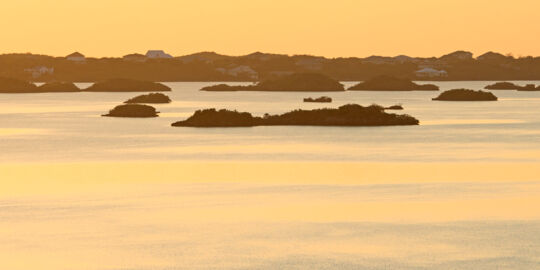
(10, 85)
(394, 107)
(502, 86)
(528, 87)
(152, 98)
(347, 115)
(133, 110)
(466, 95)
(510, 86)
(323, 99)
(293, 82)
(58, 87)
(390, 83)
(210, 66)
(127, 85)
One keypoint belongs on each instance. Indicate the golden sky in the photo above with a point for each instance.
(236, 27)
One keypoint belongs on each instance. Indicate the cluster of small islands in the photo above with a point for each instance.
(346, 115)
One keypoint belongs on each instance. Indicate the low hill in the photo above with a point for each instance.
(390, 83)
(127, 85)
(299, 82)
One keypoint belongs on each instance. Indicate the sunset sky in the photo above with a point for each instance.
(236, 27)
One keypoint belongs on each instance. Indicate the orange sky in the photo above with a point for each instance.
(329, 28)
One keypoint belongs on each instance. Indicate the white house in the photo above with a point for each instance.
(157, 54)
(76, 57)
(430, 73)
(39, 71)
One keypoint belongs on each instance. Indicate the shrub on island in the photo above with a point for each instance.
(394, 107)
(347, 115)
(466, 95)
(502, 86)
(390, 83)
(323, 99)
(133, 110)
(529, 87)
(300, 82)
(152, 98)
(510, 86)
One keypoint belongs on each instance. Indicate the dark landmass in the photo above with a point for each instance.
(133, 110)
(347, 115)
(58, 87)
(324, 99)
(127, 85)
(390, 83)
(10, 85)
(152, 98)
(502, 86)
(227, 88)
(529, 87)
(301, 82)
(394, 107)
(210, 66)
(466, 95)
(510, 86)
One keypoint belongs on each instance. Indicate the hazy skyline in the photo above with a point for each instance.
(339, 28)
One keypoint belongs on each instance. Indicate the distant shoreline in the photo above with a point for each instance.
(214, 67)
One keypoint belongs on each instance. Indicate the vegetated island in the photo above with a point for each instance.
(299, 82)
(394, 107)
(390, 83)
(152, 98)
(323, 99)
(529, 87)
(346, 115)
(510, 86)
(127, 85)
(15, 86)
(466, 95)
(12, 86)
(58, 87)
(133, 110)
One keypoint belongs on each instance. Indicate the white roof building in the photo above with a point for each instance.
(39, 71)
(157, 54)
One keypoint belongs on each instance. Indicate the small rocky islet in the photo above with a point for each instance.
(466, 95)
(323, 99)
(152, 98)
(512, 86)
(133, 110)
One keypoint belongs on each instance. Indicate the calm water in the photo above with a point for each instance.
(80, 191)
(68, 127)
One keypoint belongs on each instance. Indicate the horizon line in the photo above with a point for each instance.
(271, 53)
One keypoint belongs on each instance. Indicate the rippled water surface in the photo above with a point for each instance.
(80, 191)
(68, 126)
